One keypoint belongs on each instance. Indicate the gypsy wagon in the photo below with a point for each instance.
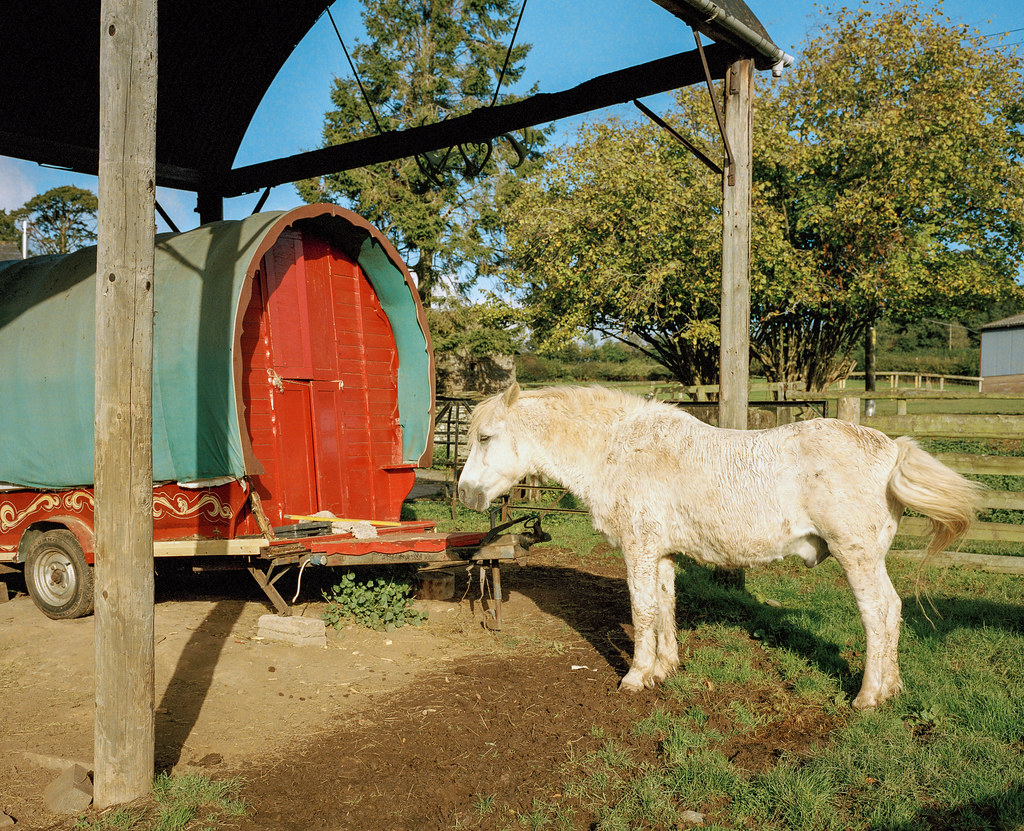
(293, 398)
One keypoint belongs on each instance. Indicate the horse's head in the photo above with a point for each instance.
(496, 461)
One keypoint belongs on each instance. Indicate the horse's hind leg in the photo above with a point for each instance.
(880, 607)
(642, 578)
(667, 660)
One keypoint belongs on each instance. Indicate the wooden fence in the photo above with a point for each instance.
(918, 380)
(976, 427)
(891, 381)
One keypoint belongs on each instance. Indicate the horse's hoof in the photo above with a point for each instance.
(864, 701)
(630, 685)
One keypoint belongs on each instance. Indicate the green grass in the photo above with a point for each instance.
(187, 802)
(948, 753)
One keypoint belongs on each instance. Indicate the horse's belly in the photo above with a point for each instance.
(742, 545)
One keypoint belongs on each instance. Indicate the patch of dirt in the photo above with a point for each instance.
(421, 728)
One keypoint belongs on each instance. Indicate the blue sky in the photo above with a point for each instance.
(572, 42)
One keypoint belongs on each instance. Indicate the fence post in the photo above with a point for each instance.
(849, 410)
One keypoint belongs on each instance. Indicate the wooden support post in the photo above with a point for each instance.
(735, 321)
(209, 206)
(124, 723)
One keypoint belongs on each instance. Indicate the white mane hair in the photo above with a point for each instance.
(658, 482)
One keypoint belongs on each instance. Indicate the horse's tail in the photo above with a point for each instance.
(922, 483)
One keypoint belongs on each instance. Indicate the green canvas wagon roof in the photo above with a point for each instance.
(47, 349)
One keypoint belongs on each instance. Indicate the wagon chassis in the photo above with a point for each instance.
(411, 543)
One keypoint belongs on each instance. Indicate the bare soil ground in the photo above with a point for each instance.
(414, 729)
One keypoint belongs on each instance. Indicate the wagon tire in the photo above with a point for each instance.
(57, 576)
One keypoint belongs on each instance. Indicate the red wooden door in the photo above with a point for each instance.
(332, 359)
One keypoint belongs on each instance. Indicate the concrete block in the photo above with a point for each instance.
(5, 820)
(295, 631)
(438, 586)
(70, 792)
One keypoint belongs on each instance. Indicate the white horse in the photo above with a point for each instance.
(658, 482)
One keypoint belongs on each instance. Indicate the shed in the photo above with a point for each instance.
(291, 355)
(1002, 355)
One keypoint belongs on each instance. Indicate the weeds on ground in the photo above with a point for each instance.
(380, 600)
(177, 803)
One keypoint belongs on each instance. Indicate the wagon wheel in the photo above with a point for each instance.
(57, 576)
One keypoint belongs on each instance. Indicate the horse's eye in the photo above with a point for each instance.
(483, 439)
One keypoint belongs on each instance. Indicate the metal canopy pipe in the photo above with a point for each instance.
(729, 22)
(485, 123)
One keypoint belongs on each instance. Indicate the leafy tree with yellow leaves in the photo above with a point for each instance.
(887, 183)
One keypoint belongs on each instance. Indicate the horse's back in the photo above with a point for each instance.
(716, 493)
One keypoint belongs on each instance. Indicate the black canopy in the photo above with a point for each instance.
(219, 57)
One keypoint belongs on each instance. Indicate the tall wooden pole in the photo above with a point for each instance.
(124, 726)
(736, 185)
(734, 352)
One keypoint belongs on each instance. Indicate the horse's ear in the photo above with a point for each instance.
(511, 394)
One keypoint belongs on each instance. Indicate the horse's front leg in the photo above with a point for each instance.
(642, 578)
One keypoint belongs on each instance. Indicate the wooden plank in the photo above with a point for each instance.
(124, 722)
(939, 425)
(980, 531)
(984, 562)
(1003, 500)
(983, 464)
(252, 547)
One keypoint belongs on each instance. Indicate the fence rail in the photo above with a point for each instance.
(892, 382)
(919, 380)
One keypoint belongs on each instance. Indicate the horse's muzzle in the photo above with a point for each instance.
(473, 498)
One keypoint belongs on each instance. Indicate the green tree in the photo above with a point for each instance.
(9, 231)
(61, 220)
(424, 62)
(620, 235)
(886, 184)
(888, 171)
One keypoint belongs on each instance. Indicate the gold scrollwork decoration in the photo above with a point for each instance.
(181, 506)
(11, 517)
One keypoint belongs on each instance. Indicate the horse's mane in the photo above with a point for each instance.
(566, 399)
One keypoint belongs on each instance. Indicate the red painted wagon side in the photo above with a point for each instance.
(293, 376)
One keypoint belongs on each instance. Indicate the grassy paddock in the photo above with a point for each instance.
(946, 754)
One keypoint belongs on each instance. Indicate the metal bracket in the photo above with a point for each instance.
(718, 110)
(696, 151)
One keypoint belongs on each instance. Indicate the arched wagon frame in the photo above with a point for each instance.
(293, 377)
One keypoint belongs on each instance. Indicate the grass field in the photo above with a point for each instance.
(946, 754)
